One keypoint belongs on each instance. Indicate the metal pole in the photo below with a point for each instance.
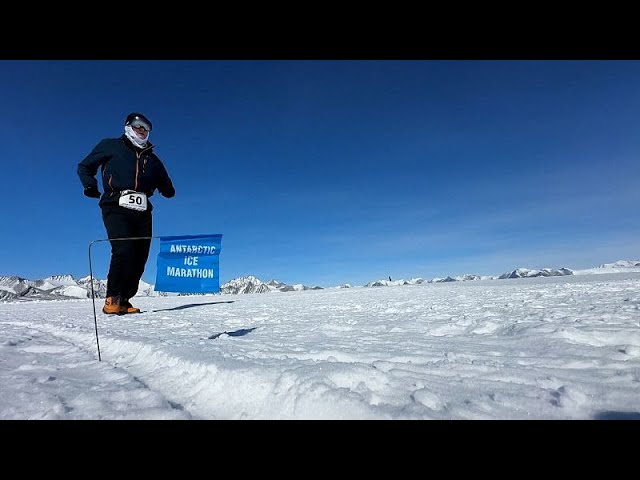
(93, 297)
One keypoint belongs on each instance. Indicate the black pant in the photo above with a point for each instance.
(128, 257)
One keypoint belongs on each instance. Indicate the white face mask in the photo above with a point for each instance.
(133, 136)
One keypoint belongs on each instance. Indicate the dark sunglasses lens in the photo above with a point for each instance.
(137, 123)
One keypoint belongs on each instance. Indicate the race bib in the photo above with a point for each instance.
(133, 200)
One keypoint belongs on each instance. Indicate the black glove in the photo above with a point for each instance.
(91, 192)
(168, 192)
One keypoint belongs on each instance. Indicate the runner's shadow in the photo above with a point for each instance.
(612, 415)
(190, 305)
(237, 333)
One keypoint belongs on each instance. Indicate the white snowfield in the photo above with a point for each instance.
(530, 348)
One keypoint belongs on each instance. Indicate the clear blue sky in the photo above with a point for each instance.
(327, 172)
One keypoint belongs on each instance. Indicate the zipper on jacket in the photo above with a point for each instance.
(138, 157)
(135, 185)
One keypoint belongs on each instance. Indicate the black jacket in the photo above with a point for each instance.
(125, 167)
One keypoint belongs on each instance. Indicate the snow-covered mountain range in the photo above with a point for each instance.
(58, 287)
(251, 284)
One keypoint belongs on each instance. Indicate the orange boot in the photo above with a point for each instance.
(112, 306)
(126, 307)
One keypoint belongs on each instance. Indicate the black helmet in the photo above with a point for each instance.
(140, 118)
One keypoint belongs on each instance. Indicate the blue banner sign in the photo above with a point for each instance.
(189, 264)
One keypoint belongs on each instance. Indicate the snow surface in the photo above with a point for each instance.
(532, 348)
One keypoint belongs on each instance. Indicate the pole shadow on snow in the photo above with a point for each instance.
(609, 415)
(190, 305)
(237, 333)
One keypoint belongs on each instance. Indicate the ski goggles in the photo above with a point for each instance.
(139, 122)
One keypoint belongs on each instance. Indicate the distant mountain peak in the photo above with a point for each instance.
(530, 273)
(64, 278)
(621, 264)
(251, 284)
